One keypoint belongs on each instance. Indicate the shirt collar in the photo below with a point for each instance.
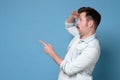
(90, 38)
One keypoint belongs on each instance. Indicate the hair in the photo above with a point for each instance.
(91, 14)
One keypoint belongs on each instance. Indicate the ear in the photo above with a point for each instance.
(90, 23)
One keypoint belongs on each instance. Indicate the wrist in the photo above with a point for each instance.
(71, 19)
(52, 54)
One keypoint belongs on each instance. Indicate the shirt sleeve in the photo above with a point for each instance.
(71, 28)
(82, 62)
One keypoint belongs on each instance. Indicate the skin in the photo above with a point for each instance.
(84, 26)
(48, 49)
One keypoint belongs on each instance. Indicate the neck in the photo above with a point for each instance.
(87, 35)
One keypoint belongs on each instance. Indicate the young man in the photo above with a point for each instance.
(83, 50)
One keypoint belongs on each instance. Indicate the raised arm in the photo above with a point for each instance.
(70, 23)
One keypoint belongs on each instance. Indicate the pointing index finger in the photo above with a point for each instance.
(43, 43)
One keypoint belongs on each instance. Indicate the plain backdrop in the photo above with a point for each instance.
(24, 22)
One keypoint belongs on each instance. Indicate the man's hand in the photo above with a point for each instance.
(47, 48)
(74, 15)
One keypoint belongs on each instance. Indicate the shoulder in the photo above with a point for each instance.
(94, 43)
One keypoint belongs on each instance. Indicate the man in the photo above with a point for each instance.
(83, 50)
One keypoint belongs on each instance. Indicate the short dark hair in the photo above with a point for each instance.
(90, 12)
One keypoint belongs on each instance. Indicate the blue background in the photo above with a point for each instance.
(24, 22)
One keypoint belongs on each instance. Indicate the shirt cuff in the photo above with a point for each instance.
(63, 64)
(69, 24)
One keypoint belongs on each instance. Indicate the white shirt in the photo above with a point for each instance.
(81, 57)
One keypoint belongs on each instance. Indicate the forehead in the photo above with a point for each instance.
(83, 14)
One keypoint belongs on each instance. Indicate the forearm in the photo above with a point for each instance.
(70, 19)
(56, 58)
(85, 60)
